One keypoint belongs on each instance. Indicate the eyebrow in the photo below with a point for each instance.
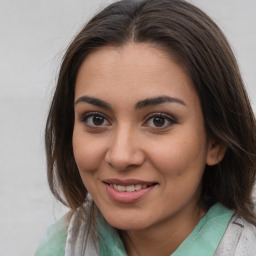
(158, 100)
(141, 104)
(94, 101)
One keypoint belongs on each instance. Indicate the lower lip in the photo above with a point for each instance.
(127, 197)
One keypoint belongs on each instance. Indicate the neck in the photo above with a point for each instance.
(162, 239)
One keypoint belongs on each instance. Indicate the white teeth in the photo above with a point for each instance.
(138, 187)
(121, 188)
(129, 188)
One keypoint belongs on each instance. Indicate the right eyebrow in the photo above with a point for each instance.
(94, 101)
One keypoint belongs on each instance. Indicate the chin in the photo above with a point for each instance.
(126, 222)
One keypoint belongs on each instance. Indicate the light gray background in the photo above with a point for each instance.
(34, 35)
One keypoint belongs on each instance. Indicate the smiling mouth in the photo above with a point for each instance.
(128, 191)
(129, 188)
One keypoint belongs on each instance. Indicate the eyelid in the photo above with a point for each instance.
(84, 117)
(161, 114)
(168, 117)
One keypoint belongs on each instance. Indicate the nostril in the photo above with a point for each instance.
(124, 154)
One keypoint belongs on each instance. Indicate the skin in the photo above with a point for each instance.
(129, 142)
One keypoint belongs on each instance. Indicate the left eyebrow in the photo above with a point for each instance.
(158, 100)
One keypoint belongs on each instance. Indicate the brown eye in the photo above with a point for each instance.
(98, 120)
(159, 121)
(95, 120)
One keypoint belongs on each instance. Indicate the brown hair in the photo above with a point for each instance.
(197, 44)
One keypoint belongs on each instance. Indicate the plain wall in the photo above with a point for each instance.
(34, 35)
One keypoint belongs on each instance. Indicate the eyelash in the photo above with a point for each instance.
(85, 117)
(165, 117)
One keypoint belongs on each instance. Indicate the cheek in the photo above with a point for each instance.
(88, 156)
(87, 151)
(185, 155)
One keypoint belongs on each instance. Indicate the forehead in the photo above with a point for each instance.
(133, 71)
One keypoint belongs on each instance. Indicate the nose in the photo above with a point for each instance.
(124, 151)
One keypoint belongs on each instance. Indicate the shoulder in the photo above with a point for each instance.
(239, 238)
(53, 243)
(70, 236)
(82, 234)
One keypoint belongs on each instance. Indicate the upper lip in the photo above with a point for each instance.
(128, 182)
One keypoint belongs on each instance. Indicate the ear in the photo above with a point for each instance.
(216, 152)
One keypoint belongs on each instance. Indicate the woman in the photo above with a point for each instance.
(150, 138)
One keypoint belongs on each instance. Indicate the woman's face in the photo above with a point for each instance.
(139, 139)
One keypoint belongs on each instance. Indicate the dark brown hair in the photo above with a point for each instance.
(197, 44)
